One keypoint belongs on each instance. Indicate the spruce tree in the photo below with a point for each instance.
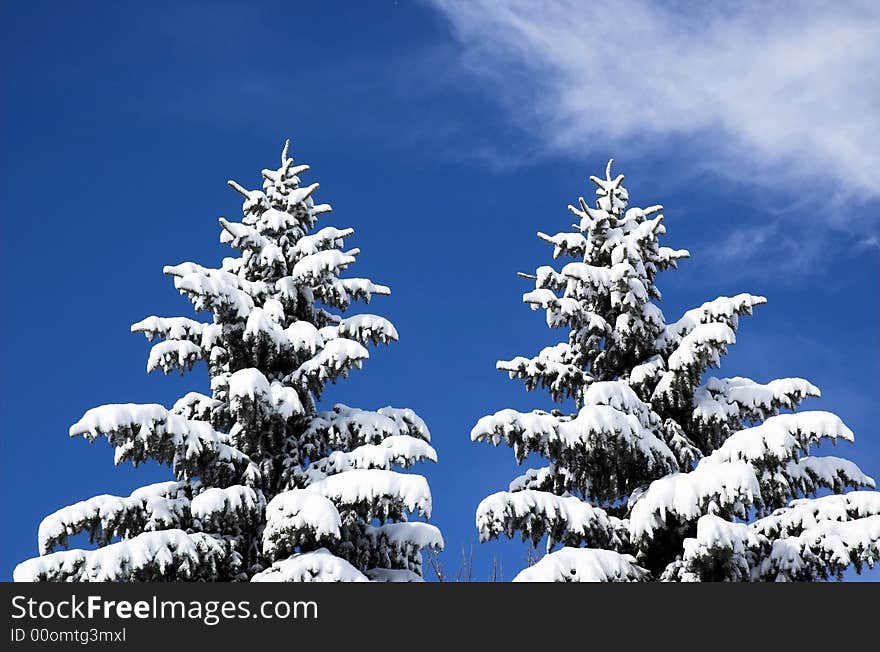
(267, 486)
(662, 473)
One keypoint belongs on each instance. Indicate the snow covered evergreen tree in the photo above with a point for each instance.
(267, 487)
(662, 473)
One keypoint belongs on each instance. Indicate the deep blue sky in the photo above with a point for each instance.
(121, 126)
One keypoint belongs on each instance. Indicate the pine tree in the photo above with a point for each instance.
(268, 488)
(660, 473)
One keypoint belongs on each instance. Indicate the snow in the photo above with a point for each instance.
(726, 399)
(313, 267)
(647, 371)
(252, 384)
(687, 496)
(805, 513)
(376, 487)
(316, 566)
(716, 532)
(171, 354)
(619, 395)
(335, 359)
(416, 534)
(668, 255)
(407, 421)
(510, 425)
(596, 278)
(214, 289)
(196, 406)
(300, 195)
(593, 428)
(328, 237)
(828, 547)
(273, 220)
(533, 479)
(304, 337)
(780, 438)
(393, 575)
(565, 311)
(242, 236)
(158, 506)
(166, 553)
(347, 427)
(810, 473)
(559, 377)
(720, 545)
(536, 513)
(400, 450)
(301, 337)
(367, 328)
(259, 324)
(175, 328)
(149, 431)
(583, 565)
(648, 438)
(566, 244)
(704, 341)
(723, 310)
(216, 508)
(292, 513)
(596, 424)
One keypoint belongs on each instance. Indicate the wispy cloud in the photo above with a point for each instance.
(778, 94)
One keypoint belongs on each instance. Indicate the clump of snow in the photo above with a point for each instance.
(728, 486)
(148, 556)
(299, 514)
(538, 513)
(316, 566)
(583, 565)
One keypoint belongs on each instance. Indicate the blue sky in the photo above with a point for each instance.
(447, 134)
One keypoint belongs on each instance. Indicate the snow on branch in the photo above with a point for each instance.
(395, 450)
(347, 428)
(339, 293)
(367, 328)
(807, 475)
(222, 292)
(553, 368)
(823, 551)
(148, 557)
(726, 403)
(712, 487)
(164, 505)
(314, 267)
(299, 518)
(583, 565)
(327, 238)
(393, 575)
(563, 519)
(779, 439)
(721, 551)
(805, 513)
(197, 407)
(226, 510)
(413, 534)
(140, 432)
(601, 446)
(723, 310)
(334, 361)
(316, 566)
(252, 395)
(376, 493)
(574, 245)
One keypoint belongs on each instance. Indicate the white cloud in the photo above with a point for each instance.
(781, 93)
